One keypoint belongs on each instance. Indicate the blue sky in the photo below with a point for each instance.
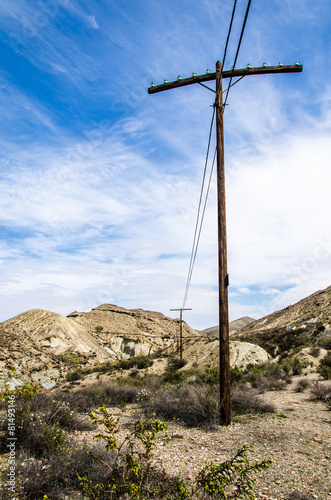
(100, 181)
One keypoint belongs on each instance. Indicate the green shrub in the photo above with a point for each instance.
(211, 375)
(325, 343)
(75, 375)
(132, 474)
(176, 363)
(315, 351)
(296, 366)
(325, 367)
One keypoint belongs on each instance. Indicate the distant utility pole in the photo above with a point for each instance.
(223, 278)
(181, 309)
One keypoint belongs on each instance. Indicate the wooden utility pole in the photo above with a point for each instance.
(223, 280)
(181, 309)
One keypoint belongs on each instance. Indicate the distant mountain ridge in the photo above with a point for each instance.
(234, 326)
(316, 308)
(42, 346)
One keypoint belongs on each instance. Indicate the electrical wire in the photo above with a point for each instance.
(238, 48)
(229, 32)
(200, 228)
(199, 220)
(198, 231)
(198, 212)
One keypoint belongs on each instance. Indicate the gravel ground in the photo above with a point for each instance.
(296, 437)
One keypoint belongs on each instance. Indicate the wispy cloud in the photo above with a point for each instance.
(100, 182)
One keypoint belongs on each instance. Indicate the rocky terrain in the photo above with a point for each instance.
(313, 309)
(43, 346)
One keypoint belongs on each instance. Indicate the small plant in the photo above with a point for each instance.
(132, 475)
(232, 478)
(98, 329)
(315, 351)
(75, 375)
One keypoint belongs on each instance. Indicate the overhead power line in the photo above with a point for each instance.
(229, 32)
(199, 219)
(237, 52)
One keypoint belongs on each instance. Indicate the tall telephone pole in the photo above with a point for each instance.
(223, 280)
(181, 309)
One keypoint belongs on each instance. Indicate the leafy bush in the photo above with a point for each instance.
(176, 363)
(132, 474)
(75, 375)
(172, 373)
(236, 375)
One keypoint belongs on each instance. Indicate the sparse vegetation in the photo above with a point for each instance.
(315, 351)
(51, 464)
(132, 474)
(140, 362)
(278, 341)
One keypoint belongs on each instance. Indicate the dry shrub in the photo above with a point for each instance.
(321, 392)
(111, 394)
(194, 405)
(302, 384)
(61, 471)
(199, 405)
(244, 400)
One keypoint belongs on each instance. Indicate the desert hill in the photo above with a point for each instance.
(42, 345)
(315, 308)
(234, 326)
(53, 332)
